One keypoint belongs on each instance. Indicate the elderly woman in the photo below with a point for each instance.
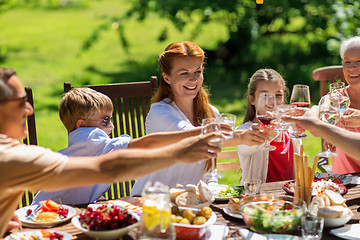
(350, 54)
(181, 103)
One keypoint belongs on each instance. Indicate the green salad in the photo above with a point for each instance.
(231, 192)
(272, 217)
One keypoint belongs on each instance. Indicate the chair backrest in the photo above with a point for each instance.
(328, 75)
(131, 103)
(228, 165)
(31, 139)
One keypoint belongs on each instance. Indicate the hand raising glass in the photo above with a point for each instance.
(212, 125)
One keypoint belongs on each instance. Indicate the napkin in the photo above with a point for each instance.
(249, 235)
(217, 232)
(350, 231)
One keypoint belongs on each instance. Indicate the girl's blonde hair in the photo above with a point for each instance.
(82, 103)
(258, 76)
(167, 58)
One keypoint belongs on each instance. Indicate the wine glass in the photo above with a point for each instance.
(329, 113)
(212, 125)
(265, 113)
(300, 97)
(339, 98)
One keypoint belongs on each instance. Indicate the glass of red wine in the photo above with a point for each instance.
(265, 113)
(300, 97)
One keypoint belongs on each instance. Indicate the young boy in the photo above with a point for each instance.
(86, 115)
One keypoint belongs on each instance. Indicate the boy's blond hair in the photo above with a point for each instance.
(82, 103)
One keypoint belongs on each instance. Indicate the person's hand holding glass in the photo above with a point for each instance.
(300, 97)
(265, 113)
(329, 113)
(212, 125)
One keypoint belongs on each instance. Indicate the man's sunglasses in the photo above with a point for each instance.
(23, 99)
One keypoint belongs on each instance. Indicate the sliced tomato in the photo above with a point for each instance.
(45, 233)
(49, 206)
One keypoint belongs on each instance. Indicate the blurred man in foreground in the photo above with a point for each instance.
(34, 168)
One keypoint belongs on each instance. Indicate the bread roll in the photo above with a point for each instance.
(205, 193)
(326, 200)
(187, 199)
(335, 198)
(331, 212)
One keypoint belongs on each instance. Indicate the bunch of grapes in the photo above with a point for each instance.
(105, 218)
(63, 212)
(56, 235)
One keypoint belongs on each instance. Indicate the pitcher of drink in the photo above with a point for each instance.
(156, 218)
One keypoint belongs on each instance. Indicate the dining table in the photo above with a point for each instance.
(234, 224)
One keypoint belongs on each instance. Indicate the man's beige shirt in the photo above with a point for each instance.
(23, 167)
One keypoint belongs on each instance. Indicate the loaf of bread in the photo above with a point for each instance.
(205, 193)
(187, 199)
(192, 195)
(331, 212)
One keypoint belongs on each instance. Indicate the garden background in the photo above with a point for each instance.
(49, 42)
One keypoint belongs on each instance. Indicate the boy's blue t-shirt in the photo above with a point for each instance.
(85, 141)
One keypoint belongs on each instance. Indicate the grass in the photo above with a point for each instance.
(44, 46)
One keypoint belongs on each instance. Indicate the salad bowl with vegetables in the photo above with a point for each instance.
(271, 213)
(224, 192)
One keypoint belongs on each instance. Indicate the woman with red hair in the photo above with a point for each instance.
(180, 103)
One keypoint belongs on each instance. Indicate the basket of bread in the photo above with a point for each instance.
(332, 207)
(194, 196)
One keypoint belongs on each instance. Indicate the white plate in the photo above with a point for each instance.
(350, 231)
(28, 222)
(344, 178)
(27, 234)
(249, 235)
(216, 189)
(228, 212)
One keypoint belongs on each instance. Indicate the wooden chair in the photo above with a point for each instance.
(131, 103)
(31, 139)
(228, 166)
(325, 76)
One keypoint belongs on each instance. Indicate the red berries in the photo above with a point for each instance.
(105, 218)
(56, 235)
(28, 212)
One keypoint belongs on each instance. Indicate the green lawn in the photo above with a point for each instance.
(44, 46)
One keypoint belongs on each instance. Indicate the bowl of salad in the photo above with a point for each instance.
(267, 213)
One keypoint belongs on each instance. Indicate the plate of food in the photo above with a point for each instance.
(223, 192)
(318, 187)
(42, 234)
(46, 214)
(336, 178)
(233, 207)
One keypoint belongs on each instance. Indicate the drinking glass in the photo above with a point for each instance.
(312, 227)
(339, 97)
(300, 97)
(265, 113)
(329, 113)
(252, 186)
(212, 125)
(281, 111)
(229, 119)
